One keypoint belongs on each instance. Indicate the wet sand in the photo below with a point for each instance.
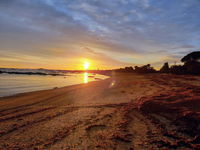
(124, 112)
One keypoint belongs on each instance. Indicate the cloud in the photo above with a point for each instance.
(116, 31)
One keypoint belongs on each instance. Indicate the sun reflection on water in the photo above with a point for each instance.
(85, 77)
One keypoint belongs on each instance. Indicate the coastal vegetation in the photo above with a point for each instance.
(191, 65)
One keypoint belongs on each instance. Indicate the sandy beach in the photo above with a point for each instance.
(125, 112)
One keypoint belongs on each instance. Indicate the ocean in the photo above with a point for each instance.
(11, 84)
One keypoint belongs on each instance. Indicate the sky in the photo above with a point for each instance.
(63, 34)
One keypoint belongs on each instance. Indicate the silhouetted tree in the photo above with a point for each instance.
(165, 68)
(145, 69)
(126, 69)
(129, 69)
(178, 69)
(192, 63)
(194, 57)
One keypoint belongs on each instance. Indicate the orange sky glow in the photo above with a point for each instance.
(60, 34)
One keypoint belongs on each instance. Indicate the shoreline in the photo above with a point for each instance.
(51, 89)
(55, 87)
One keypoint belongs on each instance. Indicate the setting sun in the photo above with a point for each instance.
(86, 65)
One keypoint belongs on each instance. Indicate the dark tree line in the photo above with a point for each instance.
(143, 69)
(191, 65)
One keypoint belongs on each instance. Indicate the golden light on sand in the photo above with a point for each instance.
(86, 65)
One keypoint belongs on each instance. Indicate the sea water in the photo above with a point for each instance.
(11, 84)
